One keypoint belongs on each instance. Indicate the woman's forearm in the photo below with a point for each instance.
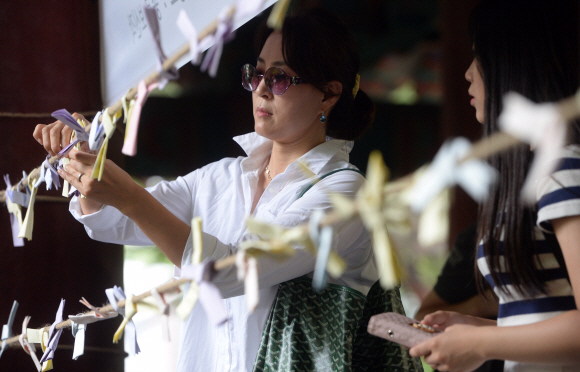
(161, 226)
(552, 341)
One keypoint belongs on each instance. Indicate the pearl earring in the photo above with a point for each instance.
(322, 118)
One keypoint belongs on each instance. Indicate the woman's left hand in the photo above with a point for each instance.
(458, 349)
(116, 187)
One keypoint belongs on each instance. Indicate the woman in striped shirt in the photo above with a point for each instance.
(529, 47)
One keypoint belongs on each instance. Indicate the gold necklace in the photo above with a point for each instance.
(268, 173)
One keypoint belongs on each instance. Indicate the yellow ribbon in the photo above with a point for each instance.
(39, 336)
(109, 123)
(130, 311)
(277, 15)
(356, 85)
(28, 223)
(192, 295)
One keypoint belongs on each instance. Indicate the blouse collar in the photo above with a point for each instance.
(258, 148)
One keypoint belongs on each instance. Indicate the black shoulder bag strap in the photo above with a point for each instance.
(553, 241)
(326, 175)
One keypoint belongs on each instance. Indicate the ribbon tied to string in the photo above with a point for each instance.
(543, 127)
(27, 346)
(48, 174)
(53, 335)
(127, 326)
(446, 170)
(7, 328)
(223, 34)
(209, 295)
(164, 75)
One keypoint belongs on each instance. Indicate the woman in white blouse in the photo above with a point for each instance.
(304, 88)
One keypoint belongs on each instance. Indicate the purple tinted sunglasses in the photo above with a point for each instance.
(275, 79)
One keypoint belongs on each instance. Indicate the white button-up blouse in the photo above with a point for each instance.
(221, 194)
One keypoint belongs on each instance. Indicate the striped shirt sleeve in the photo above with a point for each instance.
(559, 194)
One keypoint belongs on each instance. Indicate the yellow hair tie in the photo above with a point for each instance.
(356, 85)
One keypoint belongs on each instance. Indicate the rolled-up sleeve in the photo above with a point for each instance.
(111, 226)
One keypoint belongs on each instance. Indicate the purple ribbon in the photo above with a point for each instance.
(209, 295)
(17, 197)
(172, 73)
(53, 335)
(116, 294)
(65, 116)
(223, 34)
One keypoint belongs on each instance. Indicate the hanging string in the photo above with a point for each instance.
(35, 115)
(132, 93)
(42, 198)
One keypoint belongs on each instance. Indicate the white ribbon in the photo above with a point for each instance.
(247, 269)
(164, 310)
(322, 239)
(97, 133)
(188, 30)
(7, 328)
(474, 176)
(78, 331)
(542, 126)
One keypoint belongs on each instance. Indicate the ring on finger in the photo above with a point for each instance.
(79, 177)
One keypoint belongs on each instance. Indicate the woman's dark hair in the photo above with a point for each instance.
(530, 47)
(318, 46)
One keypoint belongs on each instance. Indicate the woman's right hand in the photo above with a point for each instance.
(443, 319)
(116, 187)
(56, 136)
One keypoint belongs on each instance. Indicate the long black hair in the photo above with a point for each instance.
(319, 47)
(530, 47)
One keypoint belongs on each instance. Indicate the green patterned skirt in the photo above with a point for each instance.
(327, 331)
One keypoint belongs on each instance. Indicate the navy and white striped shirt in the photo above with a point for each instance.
(558, 196)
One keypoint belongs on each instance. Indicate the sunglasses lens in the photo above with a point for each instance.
(276, 80)
(250, 79)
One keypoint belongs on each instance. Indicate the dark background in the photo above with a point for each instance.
(50, 54)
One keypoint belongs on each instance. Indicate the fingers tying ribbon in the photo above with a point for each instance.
(77, 125)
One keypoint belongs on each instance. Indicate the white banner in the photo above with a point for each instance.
(127, 48)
